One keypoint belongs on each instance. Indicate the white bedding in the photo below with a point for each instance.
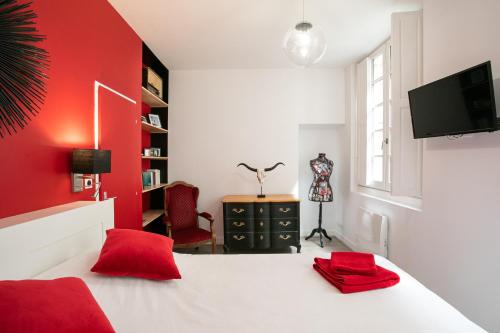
(261, 293)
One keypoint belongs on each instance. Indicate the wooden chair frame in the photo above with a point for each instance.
(205, 215)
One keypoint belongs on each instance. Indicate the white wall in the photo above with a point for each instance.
(328, 139)
(218, 118)
(452, 245)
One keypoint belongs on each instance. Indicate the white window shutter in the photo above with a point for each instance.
(361, 110)
(406, 67)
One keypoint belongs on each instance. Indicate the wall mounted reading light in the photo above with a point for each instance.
(89, 162)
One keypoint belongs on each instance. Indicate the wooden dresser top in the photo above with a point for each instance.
(253, 198)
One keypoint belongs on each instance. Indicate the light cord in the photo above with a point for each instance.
(303, 10)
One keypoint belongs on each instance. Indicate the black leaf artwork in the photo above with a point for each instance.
(22, 67)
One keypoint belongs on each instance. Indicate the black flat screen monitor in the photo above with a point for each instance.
(458, 104)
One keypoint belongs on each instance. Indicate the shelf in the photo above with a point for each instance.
(150, 215)
(154, 137)
(161, 158)
(152, 188)
(152, 129)
(152, 100)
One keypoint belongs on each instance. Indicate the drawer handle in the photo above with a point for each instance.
(238, 238)
(261, 210)
(238, 210)
(285, 210)
(261, 223)
(261, 237)
(285, 237)
(238, 224)
(285, 224)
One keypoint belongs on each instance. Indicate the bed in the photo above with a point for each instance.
(254, 293)
(261, 293)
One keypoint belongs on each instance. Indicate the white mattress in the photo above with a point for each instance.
(261, 293)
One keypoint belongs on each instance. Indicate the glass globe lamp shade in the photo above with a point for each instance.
(304, 44)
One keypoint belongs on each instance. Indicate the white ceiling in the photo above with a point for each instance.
(209, 34)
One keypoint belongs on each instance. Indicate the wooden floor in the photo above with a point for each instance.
(309, 246)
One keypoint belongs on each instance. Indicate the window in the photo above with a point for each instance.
(377, 121)
(388, 160)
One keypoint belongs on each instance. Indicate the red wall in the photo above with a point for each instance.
(87, 41)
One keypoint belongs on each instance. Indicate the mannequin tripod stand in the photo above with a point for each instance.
(319, 229)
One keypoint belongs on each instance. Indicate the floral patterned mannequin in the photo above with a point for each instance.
(321, 189)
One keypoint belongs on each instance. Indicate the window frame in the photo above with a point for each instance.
(385, 184)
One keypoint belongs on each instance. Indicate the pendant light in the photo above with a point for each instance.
(304, 43)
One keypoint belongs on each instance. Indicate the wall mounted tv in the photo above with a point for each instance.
(458, 104)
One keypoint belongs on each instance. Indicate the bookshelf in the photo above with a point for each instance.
(152, 100)
(150, 215)
(152, 129)
(154, 137)
(157, 158)
(152, 188)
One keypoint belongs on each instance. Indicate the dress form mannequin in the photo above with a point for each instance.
(321, 190)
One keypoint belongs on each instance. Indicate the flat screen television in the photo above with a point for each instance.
(458, 104)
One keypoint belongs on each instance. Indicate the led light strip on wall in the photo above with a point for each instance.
(97, 85)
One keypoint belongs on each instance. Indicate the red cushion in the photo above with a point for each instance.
(60, 305)
(138, 254)
(191, 235)
(181, 206)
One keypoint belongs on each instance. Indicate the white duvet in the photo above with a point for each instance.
(261, 293)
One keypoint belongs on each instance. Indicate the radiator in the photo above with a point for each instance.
(372, 232)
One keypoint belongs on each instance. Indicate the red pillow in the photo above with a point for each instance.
(138, 254)
(60, 305)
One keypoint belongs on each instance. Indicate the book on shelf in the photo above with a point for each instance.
(155, 176)
(147, 178)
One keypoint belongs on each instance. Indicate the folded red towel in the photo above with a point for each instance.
(350, 283)
(353, 263)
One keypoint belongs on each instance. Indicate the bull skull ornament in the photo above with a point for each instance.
(261, 174)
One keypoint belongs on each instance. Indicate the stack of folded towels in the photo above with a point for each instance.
(352, 272)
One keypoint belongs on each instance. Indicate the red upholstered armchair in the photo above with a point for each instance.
(181, 217)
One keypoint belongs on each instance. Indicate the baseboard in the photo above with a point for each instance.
(334, 231)
(339, 235)
(347, 242)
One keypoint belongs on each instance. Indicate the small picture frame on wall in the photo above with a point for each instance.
(154, 120)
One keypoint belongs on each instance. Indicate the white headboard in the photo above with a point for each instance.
(34, 242)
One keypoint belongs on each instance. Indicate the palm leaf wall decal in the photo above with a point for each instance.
(22, 66)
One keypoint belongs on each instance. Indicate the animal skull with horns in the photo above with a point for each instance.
(261, 174)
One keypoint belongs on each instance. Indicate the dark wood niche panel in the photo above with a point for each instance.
(159, 138)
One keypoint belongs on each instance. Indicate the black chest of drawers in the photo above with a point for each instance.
(252, 223)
